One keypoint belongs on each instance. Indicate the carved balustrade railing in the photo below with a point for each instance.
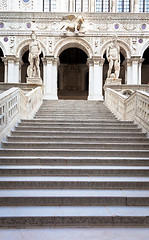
(15, 104)
(134, 107)
(8, 106)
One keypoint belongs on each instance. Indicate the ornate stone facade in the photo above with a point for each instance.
(94, 36)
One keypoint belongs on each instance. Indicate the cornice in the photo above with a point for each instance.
(57, 16)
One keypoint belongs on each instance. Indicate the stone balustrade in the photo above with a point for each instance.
(134, 107)
(15, 104)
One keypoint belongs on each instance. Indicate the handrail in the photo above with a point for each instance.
(134, 107)
(15, 104)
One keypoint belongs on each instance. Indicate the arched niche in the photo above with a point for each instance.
(122, 67)
(25, 63)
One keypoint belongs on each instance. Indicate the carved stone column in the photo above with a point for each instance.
(44, 61)
(11, 68)
(18, 64)
(50, 75)
(90, 63)
(128, 71)
(55, 65)
(95, 78)
(135, 70)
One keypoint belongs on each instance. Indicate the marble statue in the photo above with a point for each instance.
(113, 57)
(33, 70)
(72, 23)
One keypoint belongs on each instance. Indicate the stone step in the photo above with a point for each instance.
(36, 170)
(73, 124)
(78, 125)
(69, 145)
(49, 182)
(74, 161)
(76, 121)
(47, 216)
(84, 112)
(74, 153)
(74, 113)
(79, 129)
(70, 198)
(76, 116)
(75, 139)
(76, 134)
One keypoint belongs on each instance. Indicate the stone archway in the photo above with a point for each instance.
(73, 42)
(73, 74)
(77, 86)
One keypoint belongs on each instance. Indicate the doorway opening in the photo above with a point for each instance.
(145, 68)
(1, 66)
(73, 74)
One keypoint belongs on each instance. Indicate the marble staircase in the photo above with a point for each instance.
(74, 165)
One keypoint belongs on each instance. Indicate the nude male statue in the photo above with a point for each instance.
(34, 52)
(113, 57)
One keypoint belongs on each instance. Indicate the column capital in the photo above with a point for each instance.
(135, 59)
(128, 62)
(18, 60)
(56, 61)
(96, 60)
(10, 58)
(90, 62)
(48, 59)
(51, 60)
(4, 59)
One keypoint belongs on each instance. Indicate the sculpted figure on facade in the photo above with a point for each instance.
(113, 57)
(33, 70)
(72, 23)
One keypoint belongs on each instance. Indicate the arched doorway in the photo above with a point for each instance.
(145, 68)
(73, 74)
(1, 66)
(25, 63)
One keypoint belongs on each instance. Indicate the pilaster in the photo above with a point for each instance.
(95, 78)
(5, 70)
(135, 69)
(50, 77)
(11, 77)
(128, 71)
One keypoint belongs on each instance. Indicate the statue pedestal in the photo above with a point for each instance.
(113, 81)
(34, 81)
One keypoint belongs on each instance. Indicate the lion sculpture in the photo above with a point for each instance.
(72, 23)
